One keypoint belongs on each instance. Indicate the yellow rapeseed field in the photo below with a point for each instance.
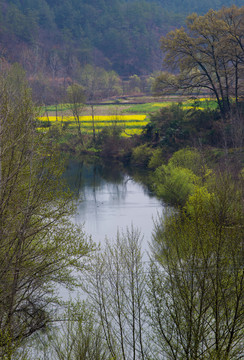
(193, 107)
(99, 118)
(131, 124)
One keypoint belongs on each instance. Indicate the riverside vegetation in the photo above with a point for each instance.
(186, 301)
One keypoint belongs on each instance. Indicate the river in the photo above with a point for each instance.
(110, 199)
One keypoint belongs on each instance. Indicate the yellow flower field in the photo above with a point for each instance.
(193, 107)
(162, 104)
(132, 124)
(100, 118)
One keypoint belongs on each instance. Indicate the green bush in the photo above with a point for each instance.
(175, 127)
(174, 184)
(157, 159)
(108, 133)
(141, 155)
(187, 158)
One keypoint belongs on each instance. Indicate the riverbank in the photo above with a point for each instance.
(145, 133)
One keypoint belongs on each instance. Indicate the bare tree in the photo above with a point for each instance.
(98, 84)
(116, 289)
(76, 99)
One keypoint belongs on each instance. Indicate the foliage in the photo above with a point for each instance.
(196, 279)
(128, 46)
(58, 39)
(80, 335)
(112, 130)
(141, 155)
(208, 55)
(112, 145)
(175, 127)
(38, 245)
(157, 159)
(167, 126)
(76, 99)
(174, 184)
(99, 83)
(184, 174)
(187, 158)
(76, 95)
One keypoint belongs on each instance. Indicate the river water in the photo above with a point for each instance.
(110, 199)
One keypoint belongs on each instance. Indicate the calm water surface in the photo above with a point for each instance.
(108, 200)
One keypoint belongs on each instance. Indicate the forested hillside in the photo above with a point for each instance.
(55, 38)
(200, 7)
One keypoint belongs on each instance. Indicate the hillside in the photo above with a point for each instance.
(57, 38)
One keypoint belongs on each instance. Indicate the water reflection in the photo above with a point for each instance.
(108, 200)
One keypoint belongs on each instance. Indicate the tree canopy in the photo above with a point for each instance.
(121, 35)
(207, 56)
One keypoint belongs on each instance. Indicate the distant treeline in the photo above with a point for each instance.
(56, 38)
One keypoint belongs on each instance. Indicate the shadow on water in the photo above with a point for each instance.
(110, 197)
(93, 174)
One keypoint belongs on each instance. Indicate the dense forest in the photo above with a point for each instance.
(55, 39)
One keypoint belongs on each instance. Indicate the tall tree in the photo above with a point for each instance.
(38, 245)
(76, 98)
(208, 55)
(98, 84)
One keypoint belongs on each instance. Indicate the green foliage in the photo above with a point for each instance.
(157, 158)
(110, 143)
(76, 95)
(39, 246)
(193, 53)
(99, 83)
(175, 127)
(141, 155)
(75, 29)
(198, 201)
(174, 184)
(23, 25)
(113, 132)
(167, 126)
(196, 283)
(184, 175)
(187, 158)
(132, 30)
(80, 335)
